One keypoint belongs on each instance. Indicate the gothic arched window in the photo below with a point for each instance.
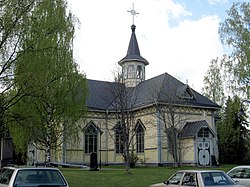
(91, 133)
(119, 144)
(140, 132)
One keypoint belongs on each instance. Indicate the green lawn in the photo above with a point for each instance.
(114, 176)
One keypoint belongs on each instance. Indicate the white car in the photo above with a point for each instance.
(241, 174)
(198, 178)
(32, 177)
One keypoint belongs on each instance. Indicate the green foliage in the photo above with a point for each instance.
(235, 32)
(55, 90)
(13, 13)
(232, 134)
(213, 83)
(235, 68)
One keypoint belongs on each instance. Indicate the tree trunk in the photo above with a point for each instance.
(127, 165)
(126, 152)
(48, 140)
(48, 148)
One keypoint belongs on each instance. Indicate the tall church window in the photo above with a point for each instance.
(119, 144)
(139, 131)
(139, 71)
(91, 133)
(131, 71)
(203, 133)
(172, 133)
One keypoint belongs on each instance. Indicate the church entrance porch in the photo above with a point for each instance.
(204, 140)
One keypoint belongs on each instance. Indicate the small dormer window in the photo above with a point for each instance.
(186, 93)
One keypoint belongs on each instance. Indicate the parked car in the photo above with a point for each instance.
(32, 177)
(199, 178)
(241, 174)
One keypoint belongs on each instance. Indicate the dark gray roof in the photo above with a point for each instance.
(162, 89)
(101, 94)
(165, 89)
(133, 53)
(191, 129)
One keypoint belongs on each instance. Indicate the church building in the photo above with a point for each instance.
(169, 122)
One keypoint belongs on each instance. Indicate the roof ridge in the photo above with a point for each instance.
(197, 121)
(162, 85)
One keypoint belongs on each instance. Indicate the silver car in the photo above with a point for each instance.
(198, 178)
(32, 177)
(241, 174)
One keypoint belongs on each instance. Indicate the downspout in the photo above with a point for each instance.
(215, 139)
(106, 138)
(159, 140)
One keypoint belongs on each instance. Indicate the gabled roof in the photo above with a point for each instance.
(162, 89)
(186, 92)
(191, 129)
(133, 53)
(165, 89)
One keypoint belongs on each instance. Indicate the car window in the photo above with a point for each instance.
(216, 178)
(240, 173)
(39, 176)
(176, 178)
(5, 175)
(189, 179)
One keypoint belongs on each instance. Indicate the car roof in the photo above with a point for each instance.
(30, 168)
(200, 171)
(241, 166)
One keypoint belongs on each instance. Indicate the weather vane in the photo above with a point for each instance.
(133, 12)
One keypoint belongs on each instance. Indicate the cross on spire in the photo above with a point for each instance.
(133, 12)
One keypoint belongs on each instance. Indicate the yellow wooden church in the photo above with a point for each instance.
(169, 120)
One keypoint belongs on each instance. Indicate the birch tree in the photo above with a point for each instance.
(213, 83)
(56, 91)
(13, 13)
(235, 32)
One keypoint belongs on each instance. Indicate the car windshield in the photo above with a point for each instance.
(243, 173)
(176, 178)
(39, 177)
(216, 178)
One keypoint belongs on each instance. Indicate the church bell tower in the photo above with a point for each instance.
(133, 64)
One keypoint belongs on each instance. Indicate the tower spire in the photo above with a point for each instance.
(133, 12)
(133, 64)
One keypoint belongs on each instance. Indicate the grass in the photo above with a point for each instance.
(114, 176)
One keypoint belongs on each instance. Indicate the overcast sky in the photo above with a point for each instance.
(179, 37)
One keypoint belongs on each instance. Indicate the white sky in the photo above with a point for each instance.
(174, 38)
